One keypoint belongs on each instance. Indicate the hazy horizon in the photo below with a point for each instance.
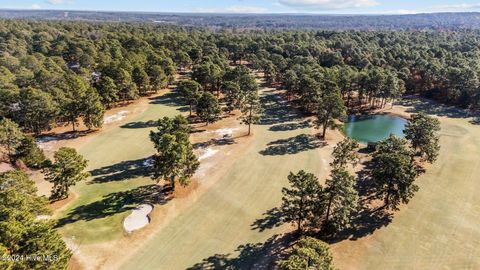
(320, 7)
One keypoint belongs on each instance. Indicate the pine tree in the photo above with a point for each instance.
(330, 107)
(190, 91)
(10, 137)
(251, 109)
(422, 132)
(93, 109)
(309, 253)
(174, 157)
(67, 169)
(393, 172)
(342, 199)
(345, 152)
(29, 153)
(301, 201)
(208, 109)
(21, 234)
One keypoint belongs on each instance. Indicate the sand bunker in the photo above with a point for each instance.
(46, 143)
(138, 218)
(115, 117)
(225, 131)
(208, 153)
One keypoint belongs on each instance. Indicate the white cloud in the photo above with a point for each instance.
(36, 6)
(432, 9)
(233, 9)
(396, 12)
(457, 7)
(245, 9)
(328, 4)
(56, 2)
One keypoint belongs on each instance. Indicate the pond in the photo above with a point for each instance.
(374, 128)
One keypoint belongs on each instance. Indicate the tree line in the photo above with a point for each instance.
(56, 73)
(27, 239)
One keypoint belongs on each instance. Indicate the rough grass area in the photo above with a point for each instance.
(439, 227)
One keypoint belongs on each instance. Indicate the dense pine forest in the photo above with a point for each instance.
(55, 73)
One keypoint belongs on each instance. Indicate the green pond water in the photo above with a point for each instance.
(374, 128)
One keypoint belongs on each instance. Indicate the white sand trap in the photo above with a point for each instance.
(46, 143)
(115, 117)
(225, 131)
(138, 218)
(209, 152)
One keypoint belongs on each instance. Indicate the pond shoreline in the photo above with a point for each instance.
(374, 127)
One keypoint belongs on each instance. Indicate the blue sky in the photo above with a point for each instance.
(253, 6)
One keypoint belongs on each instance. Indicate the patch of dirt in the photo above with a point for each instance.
(5, 167)
(58, 205)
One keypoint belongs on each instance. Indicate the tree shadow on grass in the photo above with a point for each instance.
(291, 126)
(67, 135)
(218, 142)
(277, 110)
(117, 202)
(140, 124)
(259, 256)
(364, 222)
(369, 217)
(171, 99)
(431, 107)
(271, 219)
(293, 145)
(122, 171)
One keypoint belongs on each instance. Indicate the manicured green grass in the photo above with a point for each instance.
(228, 225)
(221, 222)
(115, 159)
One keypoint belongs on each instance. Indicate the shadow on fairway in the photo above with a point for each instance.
(117, 202)
(218, 142)
(68, 135)
(293, 145)
(260, 256)
(124, 170)
(271, 219)
(277, 110)
(475, 120)
(171, 99)
(140, 124)
(431, 107)
(291, 126)
(368, 217)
